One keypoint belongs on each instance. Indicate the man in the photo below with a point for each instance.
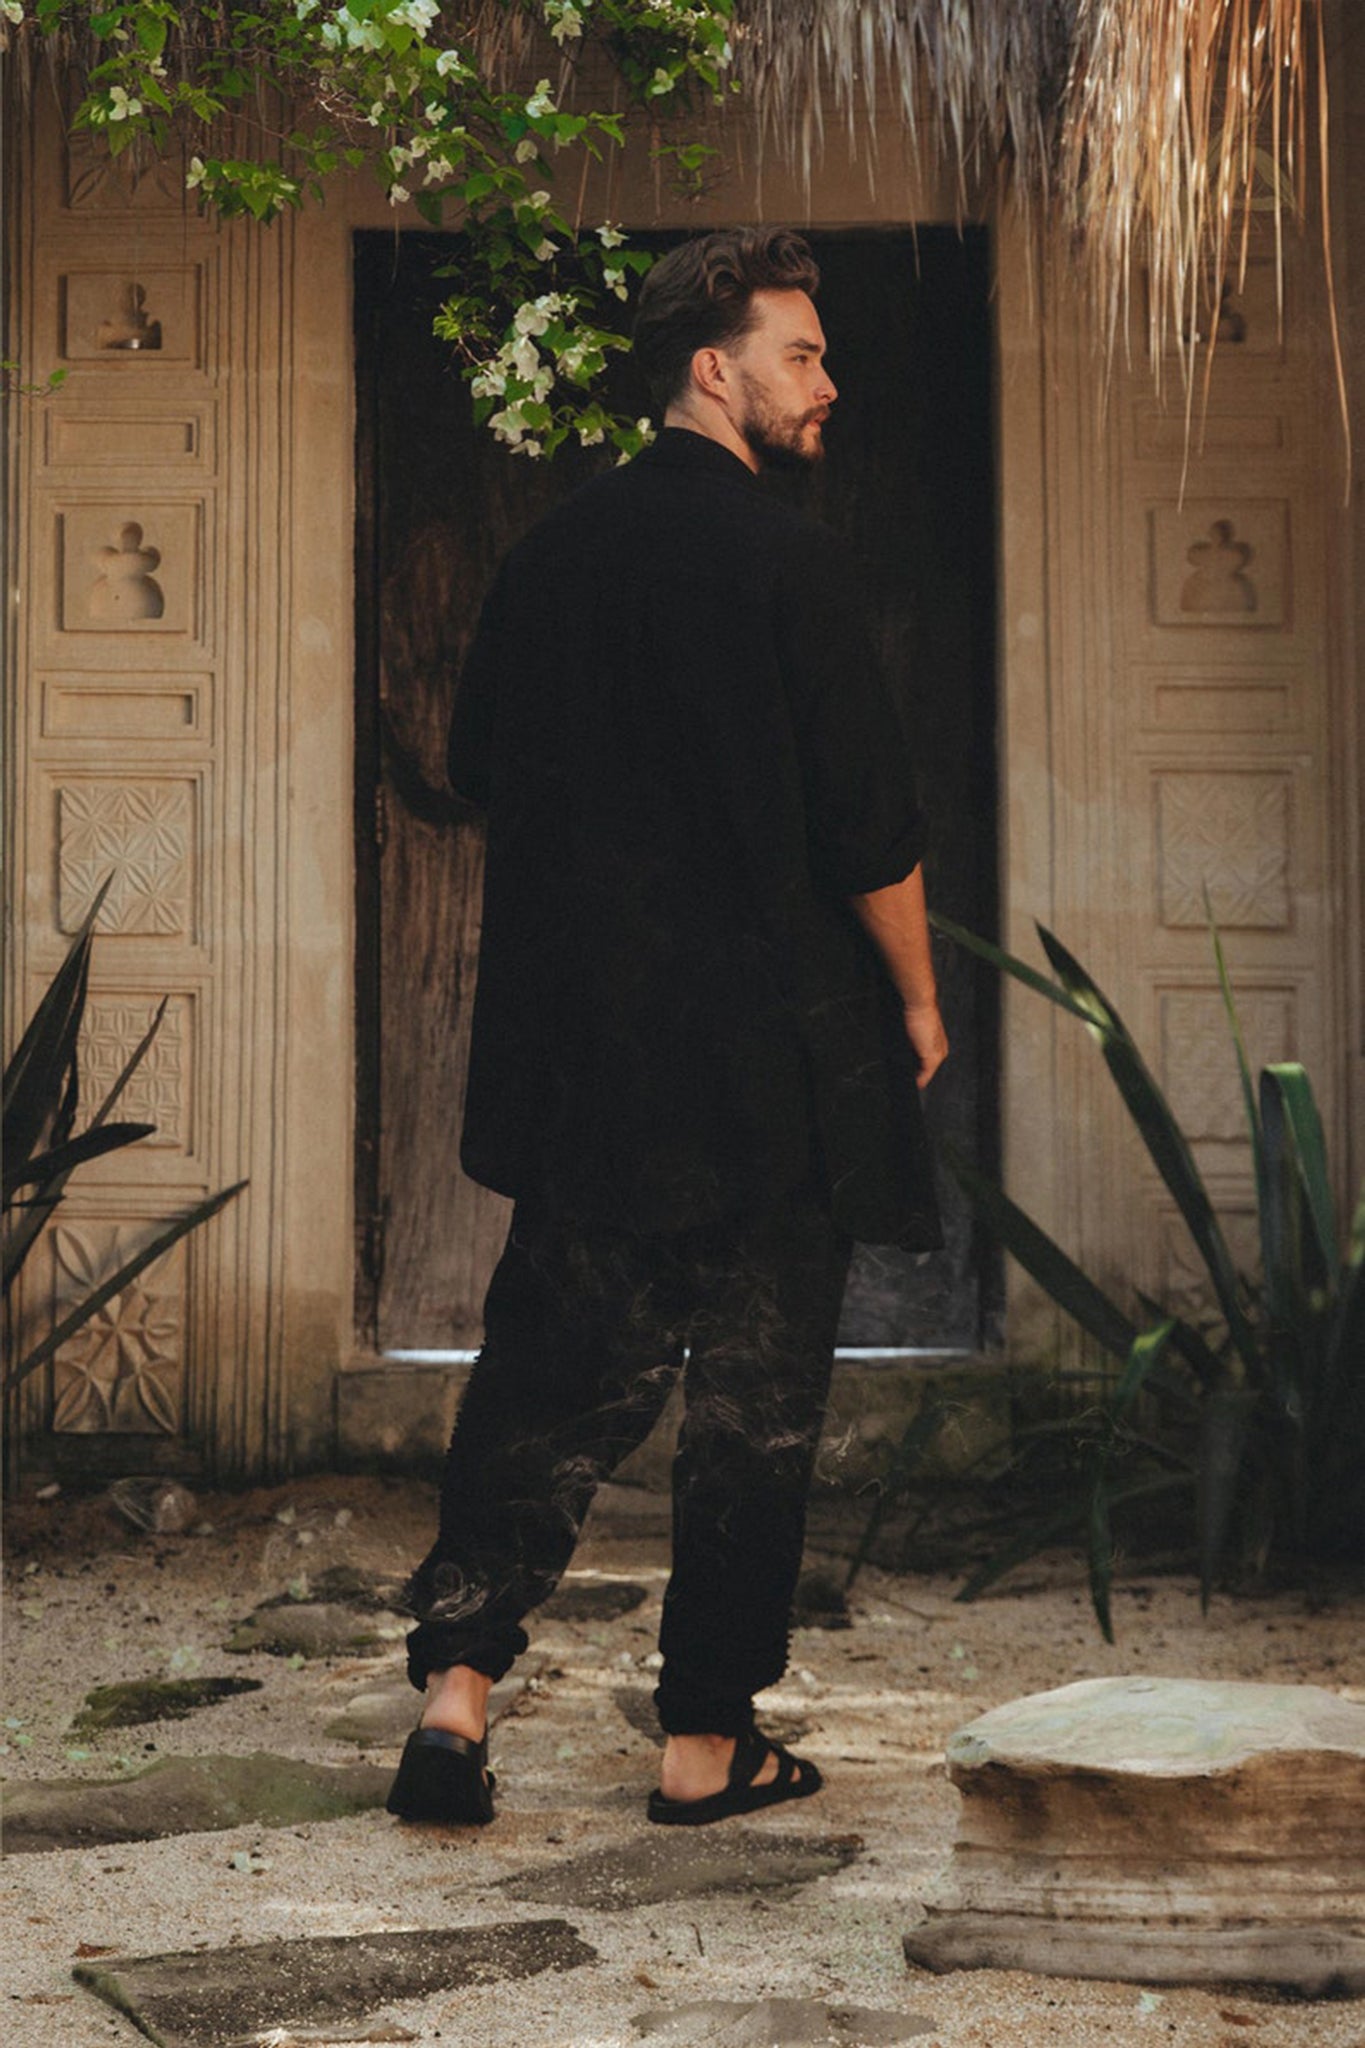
(705, 1006)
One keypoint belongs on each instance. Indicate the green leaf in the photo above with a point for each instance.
(93, 1303)
(63, 1159)
(1288, 1082)
(1239, 1046)
(1044, 1260)
(1161, 1134)
(1100, 1549)
(1008, 964)
(1224, 1430)
(44, 1059)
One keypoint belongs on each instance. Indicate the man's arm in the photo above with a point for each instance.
(897, 922)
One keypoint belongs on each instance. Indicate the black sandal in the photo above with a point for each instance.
(796, 1778)
(443, 1778)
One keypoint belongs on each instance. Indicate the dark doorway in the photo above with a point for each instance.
(909, 480)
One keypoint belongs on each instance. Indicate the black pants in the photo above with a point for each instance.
(585, 1331)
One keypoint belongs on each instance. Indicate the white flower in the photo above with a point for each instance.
(590, 436)
(662, 82)
(121, 108)
(438, 167)
(545, 250)
(360, 35)
(527, 447)
(489, 383)
(12, 11)
(331, 34)
(566, 22)
(610, 237)
(615, 281)
(398, 194)
(416, 14)
(508, 424)
(195, 174)
(531, 319)
(525, 358)
(303, 8)
(448, 61)
(526, 149)
(540, 101)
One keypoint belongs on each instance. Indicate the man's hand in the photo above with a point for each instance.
(924, 1029)
(896, 921)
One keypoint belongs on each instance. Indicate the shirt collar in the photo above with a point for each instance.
(681, 448)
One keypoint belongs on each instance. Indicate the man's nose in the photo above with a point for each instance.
(826, 390)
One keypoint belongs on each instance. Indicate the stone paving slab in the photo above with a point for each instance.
(218, 1998)
(135, 1701)
(384, 1717)
(685, 1863)
(313, 1628)
(592, 1600)
(182, 1795)
(778, 2023)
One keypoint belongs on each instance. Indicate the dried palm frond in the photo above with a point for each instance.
(1149, 131)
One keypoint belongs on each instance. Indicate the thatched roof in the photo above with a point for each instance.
(1151, 131)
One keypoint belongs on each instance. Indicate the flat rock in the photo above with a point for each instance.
(820, 1602)
(386, 1716)
(183, 1795)
(1159, 1830)
(592, 1600)
(312, 1628)
(219, 1998)
(685, 1863)
(344, 1585)
(138, 1700)
(778, 2023)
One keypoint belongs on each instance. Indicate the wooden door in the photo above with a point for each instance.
(908, 479)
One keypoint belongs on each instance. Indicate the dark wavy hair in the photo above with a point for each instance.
(700, 296)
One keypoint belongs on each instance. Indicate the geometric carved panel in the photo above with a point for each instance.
(1184, 1287)
(1199, 1070)
(159, 1091)
(127, 568)
(137, 178)
(1228, 833)
(1218, 565)
(142, 833)
(124, 1370)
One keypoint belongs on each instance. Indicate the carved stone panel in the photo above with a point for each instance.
(1183, 1283)
(128, 567)
(131, 317)
(124, 1370)
(110, 438)
(144, 834)
(1199, 1069)
(160, 1090)
(125, 707)
(1217, 565)
(134, 181)
(1229, 833)
(1257, 706)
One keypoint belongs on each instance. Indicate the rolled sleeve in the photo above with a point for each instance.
(864, 824)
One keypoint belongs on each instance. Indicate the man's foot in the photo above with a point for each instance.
(443, 1775)
(761, 1773)
(696, 1766)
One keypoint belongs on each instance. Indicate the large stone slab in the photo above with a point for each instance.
(592, 1600)
(314, 1628)
(135, 1701)
(217, 1998)
(182, 1795)
(685, 1863)
(778, 2023)
(1158, 1830)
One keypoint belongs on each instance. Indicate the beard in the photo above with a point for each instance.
(779, 439)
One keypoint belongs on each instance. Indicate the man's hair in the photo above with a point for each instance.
(701, 296)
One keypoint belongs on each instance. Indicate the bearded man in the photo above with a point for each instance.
(705, 1008)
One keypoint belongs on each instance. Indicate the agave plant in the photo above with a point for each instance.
(40, 1105)
(1262, 1412)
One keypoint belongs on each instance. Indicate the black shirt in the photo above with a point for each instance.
(672, 713)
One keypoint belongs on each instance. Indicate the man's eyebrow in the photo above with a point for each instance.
(811, 347)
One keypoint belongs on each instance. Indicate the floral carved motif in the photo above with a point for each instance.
(124, 1370)
(1229, 834)
(157, 1093)
(139, 832)
(1199, 1063)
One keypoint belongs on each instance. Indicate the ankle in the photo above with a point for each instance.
(457, 1701)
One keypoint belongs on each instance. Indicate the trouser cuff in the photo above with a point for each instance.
(435, 1646)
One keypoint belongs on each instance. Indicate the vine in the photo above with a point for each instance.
(264, 104)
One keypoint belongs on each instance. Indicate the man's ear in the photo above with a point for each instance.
(711, 373)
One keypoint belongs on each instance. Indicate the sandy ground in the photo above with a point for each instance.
(89, 1602)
